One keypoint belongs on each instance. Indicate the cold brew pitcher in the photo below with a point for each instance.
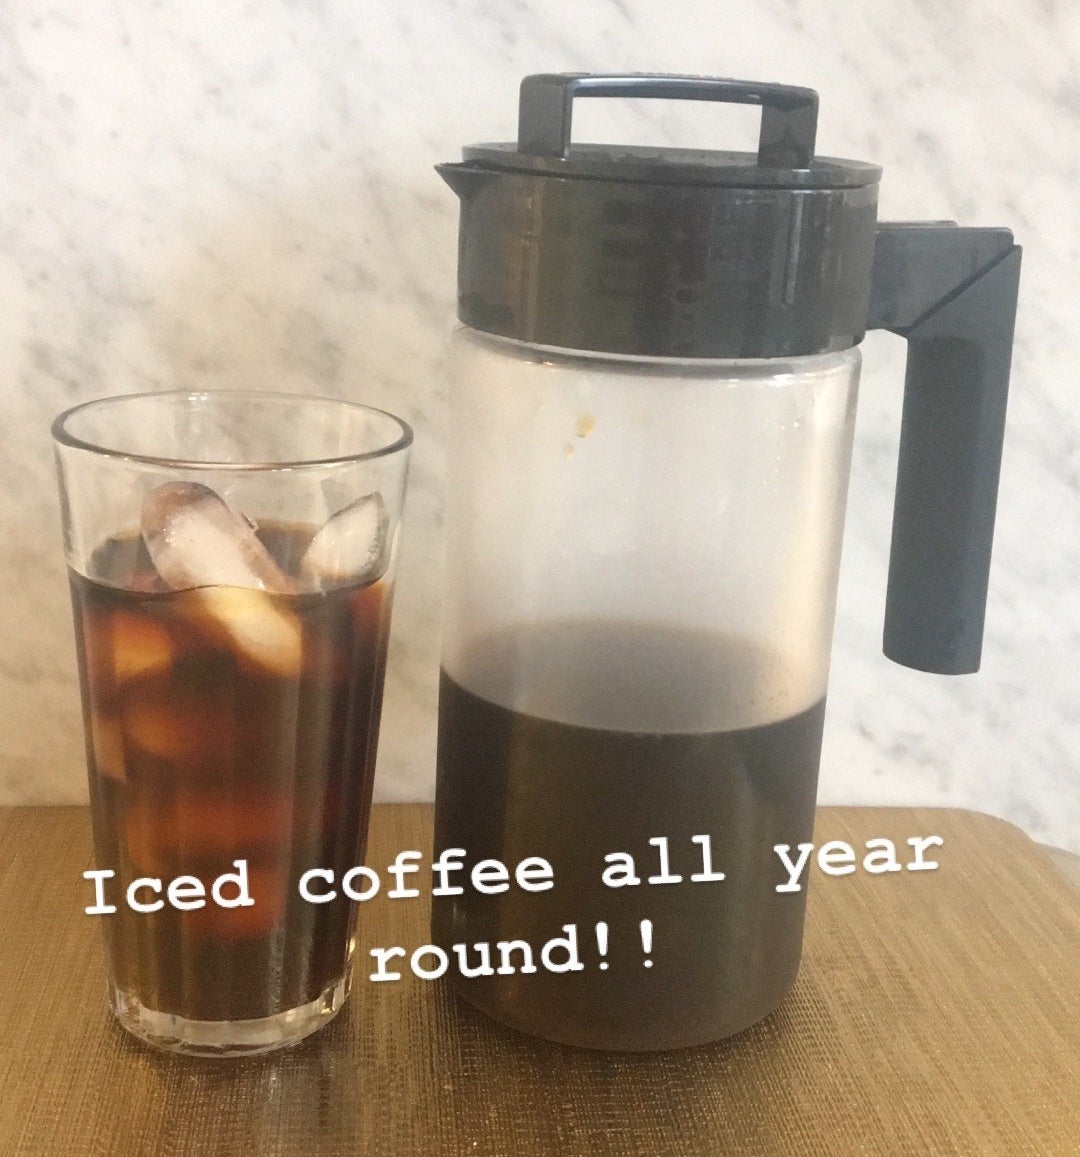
(652, 407)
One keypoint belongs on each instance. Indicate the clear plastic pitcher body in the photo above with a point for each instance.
(704, 496)
(641, 573)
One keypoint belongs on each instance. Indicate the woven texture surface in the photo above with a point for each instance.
(936, 1012)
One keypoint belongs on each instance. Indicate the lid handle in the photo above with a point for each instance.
(952, 293)
(788, 115)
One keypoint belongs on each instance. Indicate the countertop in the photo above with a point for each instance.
(935, 1012)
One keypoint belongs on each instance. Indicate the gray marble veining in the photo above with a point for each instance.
(209, 194)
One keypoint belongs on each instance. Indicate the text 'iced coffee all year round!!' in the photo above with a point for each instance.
(531, 874)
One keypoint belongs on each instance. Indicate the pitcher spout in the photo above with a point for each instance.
(462, 178)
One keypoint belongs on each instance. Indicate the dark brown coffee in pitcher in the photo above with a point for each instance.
(584, 797)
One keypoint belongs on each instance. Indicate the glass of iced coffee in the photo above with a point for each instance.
(231, 558)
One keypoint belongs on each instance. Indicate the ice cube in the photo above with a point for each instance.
(268, 887)
(196, 539)
(148, 839)
(207, 823)
(351, 545)
(370, 610)
(171, 723)
(200, 824)
(138, 645)
(261, 630)
(157, 729)
(107, 743)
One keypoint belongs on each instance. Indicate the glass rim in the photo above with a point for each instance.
(64, 437)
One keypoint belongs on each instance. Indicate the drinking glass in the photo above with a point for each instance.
(231, 557)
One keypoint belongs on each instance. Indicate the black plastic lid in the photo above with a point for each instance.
(675, 166)
(665, 252)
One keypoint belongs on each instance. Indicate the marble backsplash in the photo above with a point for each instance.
(207, 194)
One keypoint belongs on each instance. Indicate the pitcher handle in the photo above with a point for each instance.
(952, 293)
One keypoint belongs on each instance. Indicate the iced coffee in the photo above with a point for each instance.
(232, 671)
